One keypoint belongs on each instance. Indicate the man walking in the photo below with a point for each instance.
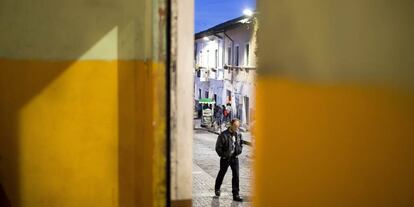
(228, 147)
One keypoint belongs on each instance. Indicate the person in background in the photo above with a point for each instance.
(225, 114)
(218, 115)
(229, 112)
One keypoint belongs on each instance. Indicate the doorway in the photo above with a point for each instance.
(247, 109)
(223, 27)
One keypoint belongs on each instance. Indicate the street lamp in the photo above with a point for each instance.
(248, 12)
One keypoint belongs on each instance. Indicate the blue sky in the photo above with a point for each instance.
(212, 12)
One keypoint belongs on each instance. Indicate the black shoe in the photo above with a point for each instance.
(237, 198)
(217, 192)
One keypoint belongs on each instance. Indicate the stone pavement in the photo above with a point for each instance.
(206, 165)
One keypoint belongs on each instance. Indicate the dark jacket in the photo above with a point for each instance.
(224, 145)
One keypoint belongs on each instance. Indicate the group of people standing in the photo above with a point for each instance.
(222, 114)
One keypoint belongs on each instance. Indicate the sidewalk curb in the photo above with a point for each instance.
(214, 132)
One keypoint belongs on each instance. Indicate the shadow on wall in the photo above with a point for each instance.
(38, 44)
(4, 201)
(19, 82)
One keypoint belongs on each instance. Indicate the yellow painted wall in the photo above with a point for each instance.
(61, 128)
(340, 145)
(79, 133)
(335, 97)
(82, 103)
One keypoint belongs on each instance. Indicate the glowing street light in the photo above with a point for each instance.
(248, 12)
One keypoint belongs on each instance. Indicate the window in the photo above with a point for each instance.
(215, 97)
(208, 54)
(228, 96)
(195, 52)
(216, 58)
(199, 94)
(247, 108)
(229, 56)
(237, 56)
(247, 55)
(206, 94)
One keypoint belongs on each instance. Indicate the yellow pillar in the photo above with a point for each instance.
(335, 97)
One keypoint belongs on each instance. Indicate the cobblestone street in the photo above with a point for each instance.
(205, 168)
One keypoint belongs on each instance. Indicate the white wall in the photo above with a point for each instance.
(239, 82)
(208, 47)
(241, 36)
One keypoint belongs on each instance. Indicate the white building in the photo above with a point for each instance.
(225, 64)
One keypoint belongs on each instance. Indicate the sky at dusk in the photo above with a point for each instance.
(212, 12)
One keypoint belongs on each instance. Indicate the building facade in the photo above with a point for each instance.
(225, 64)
